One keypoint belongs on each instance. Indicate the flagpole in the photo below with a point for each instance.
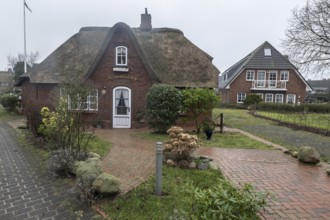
(24, 36)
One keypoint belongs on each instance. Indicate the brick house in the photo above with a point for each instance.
(121, 63)
(266, 72)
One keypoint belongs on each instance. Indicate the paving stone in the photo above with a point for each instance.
(301, 191)
(25, 189)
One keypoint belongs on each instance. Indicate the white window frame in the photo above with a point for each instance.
(291, 97)
(268, 52)
(120, 55)
(271, 79)
(240, 97)
(86, 104)
(279, 98)
(261, 82)
(250, 75)
(284, 75)
(266, 97)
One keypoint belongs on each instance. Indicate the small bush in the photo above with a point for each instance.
(60, 162)
(181, 145)
(224, 201)
(84, 191)
(252, 99)
(9, 102)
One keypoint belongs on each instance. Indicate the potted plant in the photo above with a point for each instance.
(208, 128)
(98, 123)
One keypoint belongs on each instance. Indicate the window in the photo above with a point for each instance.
(89, 103)
(250, 75)
(284, 75)
(122, 101)
(261, 77)
(291, 98)
(261, 95)
(269, 97)
(279, 98)
(241, 97)
(121, 56)
(267, 52)
(272, 78)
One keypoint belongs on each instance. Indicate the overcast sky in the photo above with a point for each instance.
(226, 29)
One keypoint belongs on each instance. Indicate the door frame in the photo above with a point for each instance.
(114, 116)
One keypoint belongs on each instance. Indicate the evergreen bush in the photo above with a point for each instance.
(9, 102)
(163, 105)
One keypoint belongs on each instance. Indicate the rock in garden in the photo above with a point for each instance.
(170, 163)
(308, 155)
(294, 154)
(213, 165)
(106, 184)
(192, 165)
(92, 154)
(90, 167)
(202, 166)
(183, 164)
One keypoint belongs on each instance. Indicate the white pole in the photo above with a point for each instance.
(24, 37)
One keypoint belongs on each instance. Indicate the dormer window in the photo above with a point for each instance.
(121, 56)
(267, 52)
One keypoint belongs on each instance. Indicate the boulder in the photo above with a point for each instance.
(170, 163)
(213, 165)
(308, 155)
(90, 167)
(106, 184)
(294, 154)
(192, 165)
(92, 154)
(202, 166)
(183, 164)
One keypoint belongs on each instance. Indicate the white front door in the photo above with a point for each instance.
(121, 107)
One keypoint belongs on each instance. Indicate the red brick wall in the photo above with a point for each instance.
(137, 79)
(294, 86)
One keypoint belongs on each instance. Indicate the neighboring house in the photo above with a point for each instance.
(6, 81)
(121, 63)
(321, 91)
(266, 72)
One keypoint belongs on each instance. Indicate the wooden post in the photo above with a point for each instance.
(221, 123)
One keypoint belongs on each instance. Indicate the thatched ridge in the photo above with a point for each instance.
(169, 57)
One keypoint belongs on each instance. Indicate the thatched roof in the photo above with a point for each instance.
(169, 57)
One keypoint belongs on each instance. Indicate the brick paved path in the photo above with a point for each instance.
(26, 192)
(131, 159)
(301, 191)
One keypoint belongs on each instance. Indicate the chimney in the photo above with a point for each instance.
(146, 21)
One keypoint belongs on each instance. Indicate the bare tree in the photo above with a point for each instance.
(30, 59)
(307, 39)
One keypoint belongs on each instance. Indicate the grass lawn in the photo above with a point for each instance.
(99, 146)
(142, 203)
(225, 140)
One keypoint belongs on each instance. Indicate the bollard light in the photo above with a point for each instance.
(159, 166)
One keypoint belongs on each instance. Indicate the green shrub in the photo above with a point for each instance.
(224, 201)
(252, 99)
(9, 102)
(199, 102)
(163, 104)
(284, 107)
